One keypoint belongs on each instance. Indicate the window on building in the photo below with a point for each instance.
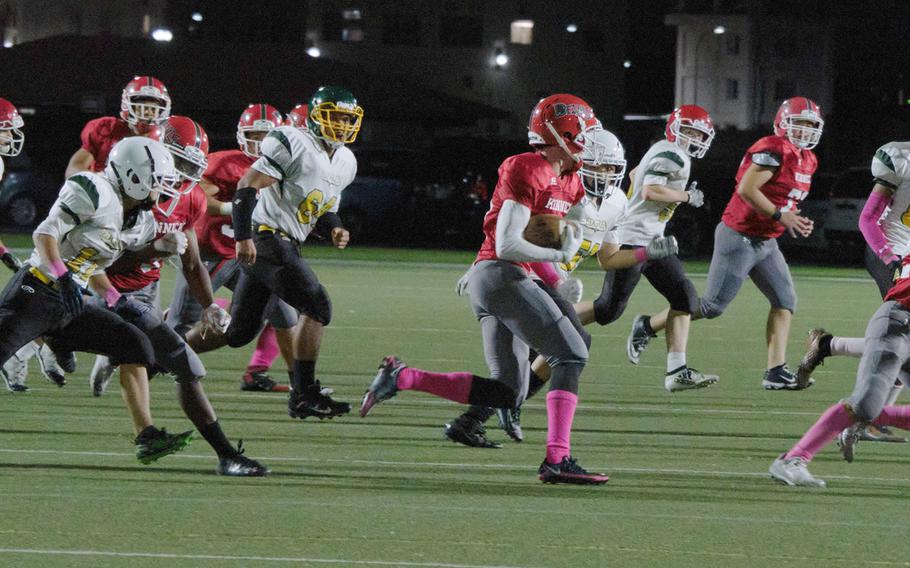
(783, 89)
(400, 29)
(732, 90)
(461, 31)
(522, 32)
(732, 44)
(352, 25)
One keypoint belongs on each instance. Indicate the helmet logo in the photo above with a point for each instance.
(563, 109)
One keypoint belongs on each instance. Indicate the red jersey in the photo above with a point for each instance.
(529, 179)
(185, 215)
(100, 135)
(900, 290)
(786, 189)
(215, 232)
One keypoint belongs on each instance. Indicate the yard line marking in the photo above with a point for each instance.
(176, 556)
(453, 465)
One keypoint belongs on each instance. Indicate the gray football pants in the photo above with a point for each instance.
(515, 313)
(885, 358)
(171, 352)
(737, 257)
(184, 311)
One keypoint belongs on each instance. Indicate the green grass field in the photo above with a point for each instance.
(689, 483)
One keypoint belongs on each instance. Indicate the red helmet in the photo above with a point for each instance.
(696, 118)
(188, 143)
(258, 117)
(11, 137)
(297, 117)
(560, 120)
(799, 109)
(145, 101)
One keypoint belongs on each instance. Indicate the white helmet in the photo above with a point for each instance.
(142, 166)
(601, 148)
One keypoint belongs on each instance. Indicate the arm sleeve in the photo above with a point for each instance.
(547, 272)
(510, 242)
(275, 157)
(872, 231)
(73, 207)
(661, 166)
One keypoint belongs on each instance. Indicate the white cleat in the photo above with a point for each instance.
(101, 375)
(686, 378)
(15, 370)
(49, 367)
(794, 472)
(847, 440)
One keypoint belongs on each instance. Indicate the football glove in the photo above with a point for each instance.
(216, 318)
(572, 237)
(461, 287)
(696, 196)
(570, 289)
(171, 243)
(11, 261)
(70, 294)
(662, 247)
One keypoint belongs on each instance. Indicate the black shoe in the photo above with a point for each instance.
(314, 402)
(239, 465)
(18, 388)
(153, 444)
(568, 471)
(510, 421)
(818, 347)
(66, 360)
(260, 381)
(468, 431)
(782, 378)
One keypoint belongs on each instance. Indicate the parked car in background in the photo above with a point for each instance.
(848, 197)
(26, 192)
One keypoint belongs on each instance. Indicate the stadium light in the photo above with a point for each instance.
(7, 43)
(720, 30)
(196, 16)
(500, 58)
(572, 28)
(313, 51)
(162, 34)
(627, 63)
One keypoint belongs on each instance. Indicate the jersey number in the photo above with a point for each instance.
(793, 199)
(312, 207)
(82, 263)
(667, 212)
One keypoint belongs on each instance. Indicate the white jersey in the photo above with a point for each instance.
(891, 168)
(599, 225)
(310, 183)
(87, 222)
(664, 164)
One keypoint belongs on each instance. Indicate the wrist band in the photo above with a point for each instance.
(641, 254)
(777, 214)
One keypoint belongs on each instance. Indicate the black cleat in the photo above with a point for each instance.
(239, 465)
(66, 360)
(153, 444)
(260, 381)
(782, 378)
(18, 388)
(468, 431)
(314, 401)
(510, 421)
(568, 471)
(817, 349)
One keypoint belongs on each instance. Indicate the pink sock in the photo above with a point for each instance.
(560, 413)
(223, 303)
(897, 416)
(835, 419)
(266, 351)
(849, 346)
(453, 386)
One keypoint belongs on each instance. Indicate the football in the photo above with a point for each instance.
(545, 231)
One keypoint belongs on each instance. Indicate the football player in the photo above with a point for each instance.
(514, 312)
(298, 180)
(773, 178)
(216, 244)
(88, 225)
(885, 359)
(888, 240)
(143, 103)
(599, 214)
(659, 185)
(135, 274)
(15, 370)
(297, 116)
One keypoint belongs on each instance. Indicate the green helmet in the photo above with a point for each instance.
(334, 115)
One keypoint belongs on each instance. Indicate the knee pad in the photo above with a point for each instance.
(319, 305)
(608, 311)
(571, 349)
(239, 333)
(786, 302)
(709, 309)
